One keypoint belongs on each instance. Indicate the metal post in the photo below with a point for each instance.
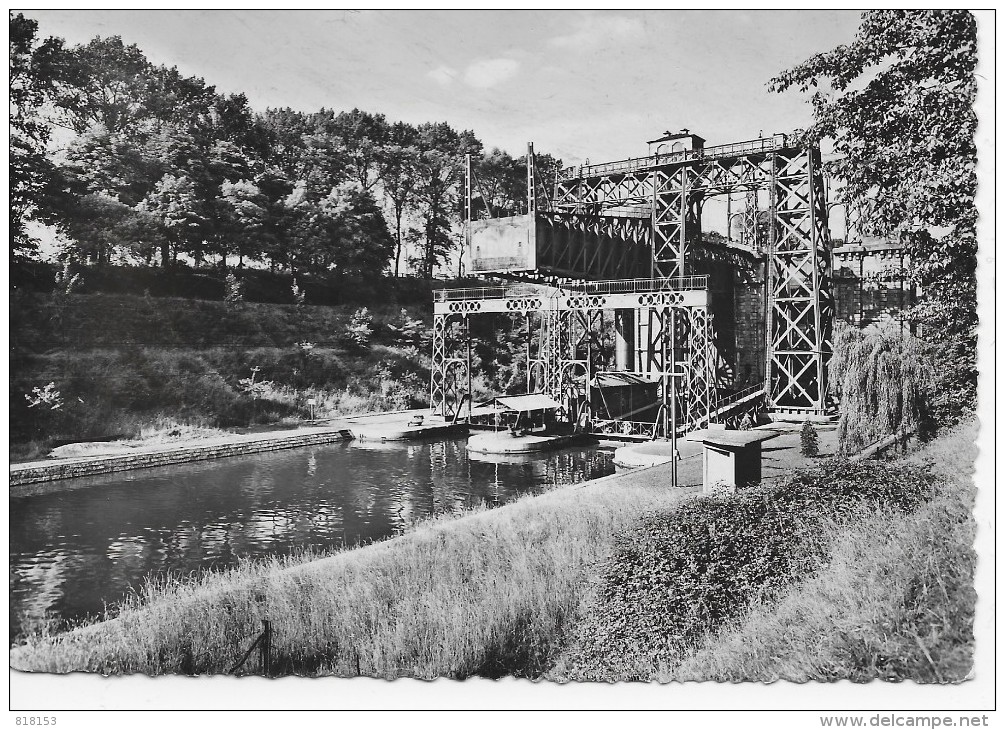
(467, 337)
(265, 648)
(654, 245)
(861, 288)
(531, 183)
(526, 321)
(467, 203)
(729, 218)
(682, 236)
(769, 265)
(673, 397)
(818, 346)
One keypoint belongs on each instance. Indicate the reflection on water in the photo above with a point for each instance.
(73, 550)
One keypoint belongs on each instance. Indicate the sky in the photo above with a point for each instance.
(579, 84)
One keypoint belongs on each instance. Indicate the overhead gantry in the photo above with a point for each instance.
(622, 239)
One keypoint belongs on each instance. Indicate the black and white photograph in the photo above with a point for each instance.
(532, 359)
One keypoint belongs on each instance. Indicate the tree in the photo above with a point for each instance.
(109, 86)
(440, 171)
(101, 225)
(342, 233)
(398, 175)
(501, 184)
(900, 111)
(38, 70)
(503, 181)
(179, 211)
(243, 214)
(882, 378)
(361, 139)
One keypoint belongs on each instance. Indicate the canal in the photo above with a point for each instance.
(91, 541)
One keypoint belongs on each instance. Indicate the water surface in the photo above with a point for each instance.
(97, 538)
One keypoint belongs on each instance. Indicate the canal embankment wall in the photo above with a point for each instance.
(35, 472)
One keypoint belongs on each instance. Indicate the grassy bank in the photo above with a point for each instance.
(845, 572)
(489, 594)
(123, 365)
(895, 601)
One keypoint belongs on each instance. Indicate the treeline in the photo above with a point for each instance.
(159, 166)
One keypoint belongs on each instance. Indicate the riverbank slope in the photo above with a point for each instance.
(486, 594)
(505, 592)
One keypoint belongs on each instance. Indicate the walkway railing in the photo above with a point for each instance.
(746, 393)
(482, 292)
(614, 286)
(632, 286)
(638, 164)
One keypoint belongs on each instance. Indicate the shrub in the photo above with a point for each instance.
(407, 331)
(299, 294)
(809, 442)
(234, 288)
(683, 573)
(360, 328)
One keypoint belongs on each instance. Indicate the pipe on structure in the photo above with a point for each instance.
(624, 339)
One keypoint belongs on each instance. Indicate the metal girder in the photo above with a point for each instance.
(800, 312)
(675, 347)
(450, 370)
(586, 246)
(800, 308)
(566, 345)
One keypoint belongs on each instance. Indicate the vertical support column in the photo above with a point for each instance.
(437, 370)
(624, 339)
(531, 195)
(799, 261)
(467, 364)
(531, 182)
(529, 362)
(683, 232)
(769, 282)
(467, 202)
(673, 397)
(450, 369)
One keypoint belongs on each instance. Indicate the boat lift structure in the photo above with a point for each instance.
(610, 252)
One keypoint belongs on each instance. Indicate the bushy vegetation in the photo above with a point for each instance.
(683, 574)
(883, 378)
(895, 599)
(809, 440)
(121, 363)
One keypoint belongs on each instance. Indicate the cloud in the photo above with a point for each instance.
(489, 72)
(443, 75)
(590, 31)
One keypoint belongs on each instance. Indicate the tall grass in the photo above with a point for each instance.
(896, 601)
(891, 596)
(488, 594)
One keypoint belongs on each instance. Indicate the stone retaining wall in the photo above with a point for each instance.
(70, 468)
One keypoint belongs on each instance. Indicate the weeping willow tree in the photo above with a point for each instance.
(882, 378)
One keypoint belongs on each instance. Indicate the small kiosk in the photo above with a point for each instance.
(731, 459)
